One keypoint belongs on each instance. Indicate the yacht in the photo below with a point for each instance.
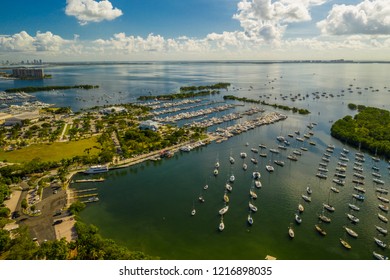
(187, 148)
(320, 230)
(384, 208)
(256, 175)
(270, 168)
(382, 218)
(353, 207)
(381, 230)
(250, 219)
(96, 169)
(379, 256)
(223, 210)
(221, 226)
(380, 243)
(279, 162)
(328, 207)
(345, 244)
(298, 219)
(353, 218)
(291, 232)
(306, 198)
(351, 232)
(252, 207)
(324, 218)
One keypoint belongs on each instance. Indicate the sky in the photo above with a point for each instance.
(139, 30)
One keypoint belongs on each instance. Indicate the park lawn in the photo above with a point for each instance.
(51, 152)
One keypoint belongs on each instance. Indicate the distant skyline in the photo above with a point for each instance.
(135, 30)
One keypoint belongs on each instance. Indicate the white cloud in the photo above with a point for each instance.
(23, 42)
(91, 11)
(267, 20)
(367, 17)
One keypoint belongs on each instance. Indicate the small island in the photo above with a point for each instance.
(369, 130)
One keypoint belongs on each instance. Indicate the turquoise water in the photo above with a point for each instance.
(147, 207)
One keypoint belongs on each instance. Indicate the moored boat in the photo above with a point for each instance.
(298, 219)
(334, 189)
(379, 256)
(353, 218)
(345, 244)
(301, 208)
(351, 232)
(256, 175)
(381, 230)
(380, 243)
(269, 168)
(358, 196)
(328, 207)
(383, 199)
(228, 187)
(384, 208)
(258, 184)
(279, 162)
(320, 230)
(221, 226)
(306, 198)
(226, 197)
(354, 207)
(324, 218)
(250, 219)
(252, 207)
(382, 218)
(291, 232)
(223, 210)
(96, 169)
(252, 194)
(309, 190)
(232, 178)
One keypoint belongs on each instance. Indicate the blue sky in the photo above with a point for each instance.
(71, 30)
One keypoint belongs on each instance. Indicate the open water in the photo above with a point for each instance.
(147, 207)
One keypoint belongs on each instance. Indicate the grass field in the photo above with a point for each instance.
(51, 152)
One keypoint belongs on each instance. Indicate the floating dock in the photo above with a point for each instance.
(89, 180)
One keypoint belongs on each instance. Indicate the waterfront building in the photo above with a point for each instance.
(113, 110)
(28, 73)
(149, 125)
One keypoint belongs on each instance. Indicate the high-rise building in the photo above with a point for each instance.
(28, 73)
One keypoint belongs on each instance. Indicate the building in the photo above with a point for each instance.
(113, 110)
(28, 73)
(149, 125)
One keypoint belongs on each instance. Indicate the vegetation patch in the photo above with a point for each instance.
(53, 151)
(369, 130)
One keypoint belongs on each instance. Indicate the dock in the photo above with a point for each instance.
(89, 180)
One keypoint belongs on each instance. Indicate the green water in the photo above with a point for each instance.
(147, 207)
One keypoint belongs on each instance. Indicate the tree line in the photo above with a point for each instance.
(369, 130)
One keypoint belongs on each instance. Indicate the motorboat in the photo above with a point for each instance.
(206, 187)
(231, 159)
(345, 244)
(381, 230)
(306, 198)
(232, 178)
(298, 219)
(252, 207)
(309, 190)
(320, 230)
(243, 155)
(351, 232)
(379, 256)
(244, 166)
(301, 208)
(353, 218)
(215, 172)
(380, 243)
(223, 210)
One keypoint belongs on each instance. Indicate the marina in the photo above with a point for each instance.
(147, 206)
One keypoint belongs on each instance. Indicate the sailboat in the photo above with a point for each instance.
(320, 230)
(221, 226)
(250, 219)
(345, 244)
(291, 232)
(193, 211)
